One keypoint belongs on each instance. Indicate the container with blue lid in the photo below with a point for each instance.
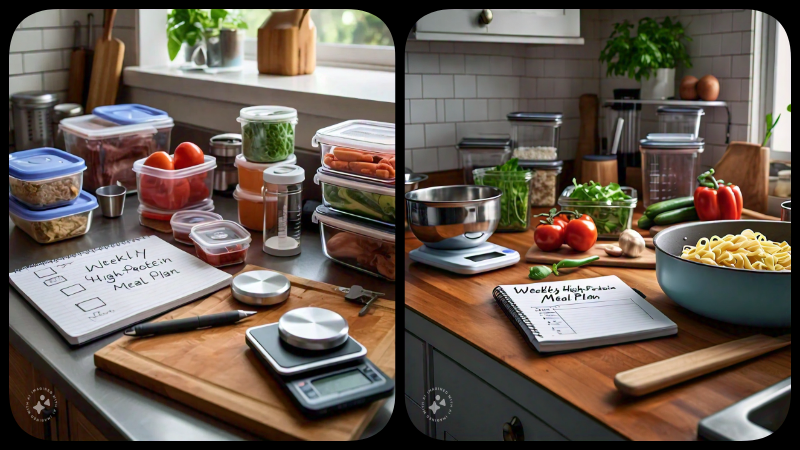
(45, 178)
(135, 114)
(56, 224)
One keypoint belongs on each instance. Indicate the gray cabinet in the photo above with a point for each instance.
(544, 26)
(415, 367)
(416, 416)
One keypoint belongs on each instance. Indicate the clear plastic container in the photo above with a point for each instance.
(283, 200)
(135, 114)
(359, 148)
(680, 119)
(515, 203)
(610, 217)
(251, 175)
(483, 151)
(365, 246)
(372, 201)
(159, 220)
(267, 133)
(784, 186)
(182, 223)
(536, 135)
(670, 166)
(108, 149)
(252, 214)
(220, 243)
(45, 178)
(57, 224)
(173, 190)
(546, 176)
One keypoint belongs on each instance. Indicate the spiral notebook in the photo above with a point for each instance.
(90, 294)
(572, 315)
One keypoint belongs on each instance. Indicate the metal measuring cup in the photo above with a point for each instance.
(111, 200)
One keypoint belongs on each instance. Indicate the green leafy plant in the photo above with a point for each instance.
(187, 25)
(515, 182)
(770, 126)
(655, 46)
(596, 200)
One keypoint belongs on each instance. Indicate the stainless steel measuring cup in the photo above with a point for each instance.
(111, 200)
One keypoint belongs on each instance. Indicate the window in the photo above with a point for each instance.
(772, 88)
(782, 136)
(345, 37)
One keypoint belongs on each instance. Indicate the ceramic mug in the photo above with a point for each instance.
(209, 52)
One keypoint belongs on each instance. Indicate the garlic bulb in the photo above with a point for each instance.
(613, 250)
(631, 243)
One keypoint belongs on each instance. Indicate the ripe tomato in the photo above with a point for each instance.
(581, 234)
(187, 155)
(584, 217)
(198, 191)
(549, 237)
(160, 160)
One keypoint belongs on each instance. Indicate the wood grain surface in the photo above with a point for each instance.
(647, 260)
(287, 44)
(215, 372)
(747, 166)
(106, 66)
(464, 306)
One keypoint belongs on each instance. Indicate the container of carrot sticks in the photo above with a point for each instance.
(361, 149)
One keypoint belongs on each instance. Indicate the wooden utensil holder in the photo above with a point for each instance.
(287, 44)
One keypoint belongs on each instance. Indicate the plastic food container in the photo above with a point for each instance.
(515, 203)
(359, 148)
(251, 209)
(108, 149)
(173, 190)
(610, 217)
(365, 246)
(670, 166)
(251, 174)
(45, 178)
(134, 114)
(57, 224)
(535, 135)
(680, 119)
(362, 199)
(220, 243)
(546, 176)
(183, 221)
(483, 151)
(158, 219)
(267, 133)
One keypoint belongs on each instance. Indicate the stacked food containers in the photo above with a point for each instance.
(478, 152)
(680, 119)
(357, 219)
(670, 166)
(536, 135)
(45, 197)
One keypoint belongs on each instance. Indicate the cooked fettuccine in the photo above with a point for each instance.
(748, 250)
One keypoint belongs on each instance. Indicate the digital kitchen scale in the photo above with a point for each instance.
(320, 382)
(482, 258)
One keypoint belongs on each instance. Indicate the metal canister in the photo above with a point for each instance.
(225, 147)
(33, 119)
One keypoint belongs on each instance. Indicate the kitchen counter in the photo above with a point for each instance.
(121, 410)
(574, 392)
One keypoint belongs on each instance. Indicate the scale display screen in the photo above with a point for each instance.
(341, 382)
(485, 256)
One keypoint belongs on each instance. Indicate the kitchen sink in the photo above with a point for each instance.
(755, 417)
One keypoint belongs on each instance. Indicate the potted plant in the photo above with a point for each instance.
(193, 26)
(650, 56)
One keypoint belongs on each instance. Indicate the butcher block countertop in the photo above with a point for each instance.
(463, 305)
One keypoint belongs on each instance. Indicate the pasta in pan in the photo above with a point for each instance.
(748, 250)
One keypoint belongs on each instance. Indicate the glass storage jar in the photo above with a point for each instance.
(478, 152)
(670, 166)
(515, 203)
(283, 200)
(267, 133)
(680, 119)
(535, 135)
(134, 114)
(784, 186)
(546, 176)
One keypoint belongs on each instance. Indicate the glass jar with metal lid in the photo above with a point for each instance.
(680, 119)
(546, 175)
(225, 147)
(477, 152)
(670, 166)
(535, 134)
(33, 119)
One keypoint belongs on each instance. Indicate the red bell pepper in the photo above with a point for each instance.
(716, 200)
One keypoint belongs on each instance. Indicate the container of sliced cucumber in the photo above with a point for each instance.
(372, 201)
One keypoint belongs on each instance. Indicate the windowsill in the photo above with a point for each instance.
(329, 91)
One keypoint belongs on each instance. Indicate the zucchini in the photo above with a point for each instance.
(676, 215)
(668, 205)
(645, 222)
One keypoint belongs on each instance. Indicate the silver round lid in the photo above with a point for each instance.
(34, 98)
(261, 288)
(226, 145)
(313, 329)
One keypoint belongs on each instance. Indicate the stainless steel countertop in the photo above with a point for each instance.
(120, 409)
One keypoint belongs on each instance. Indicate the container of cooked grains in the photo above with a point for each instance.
(535, 134)
(546, 177)
(53, 225)
(45, 178)
(267, 133)
(478, 152)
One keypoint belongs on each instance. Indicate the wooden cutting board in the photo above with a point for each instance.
(588, 105)
(646, 261)
(747, 166)
(106, 67)
(215, 372)
(77, 64)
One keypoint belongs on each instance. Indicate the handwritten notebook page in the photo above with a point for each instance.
(96, 292)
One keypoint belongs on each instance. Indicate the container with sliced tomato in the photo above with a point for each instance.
(159, 219)
(173, 190)
(220, 243)
(360, 149)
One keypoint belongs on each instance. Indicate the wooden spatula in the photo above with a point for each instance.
(106, 67)
(652, 377)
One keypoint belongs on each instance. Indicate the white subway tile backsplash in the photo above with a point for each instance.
(14, 64)
(441, 47)
(562, 87)
(712, 45)
(42, 61)
(545, 88)
(475, 110)
(423, 111)
(495, 109)
(451, 63)
(413, 86)
(440, 134)
(476, 128)
(534, 68)
(55, 38)
(527, 87)
(478, 64)
(440, 113)
(741, 66)
(56, 81)
(454, 110)
(715, 133)
(723, 22)
(508, 105)
(498, 87)
(426, 160)
(465, 86)
(412, 45)
(26, 40)
(409, 162)
(42, 19)
(68, 16)
(739, 112)
(742, 20)
(732, 43)
(747, 42)
(500, 65)
(541, 51)
(125, 18)
(20, 83)
(437, 86)
(448, 158)
(745, 90)
(414, 136)
(554, 68)
(518, 66)
(408, 110)
(730, 89)
(701, 67)
(423, 63)
(721, 66)
(554, 105)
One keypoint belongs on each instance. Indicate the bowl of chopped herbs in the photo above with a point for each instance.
(611, 207)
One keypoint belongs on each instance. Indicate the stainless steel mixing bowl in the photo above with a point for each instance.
(453, 217)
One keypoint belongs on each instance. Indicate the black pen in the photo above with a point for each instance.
(192, 323)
